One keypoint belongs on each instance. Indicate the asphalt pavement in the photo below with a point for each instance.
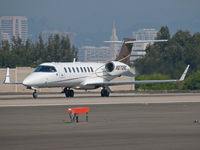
(152, 126)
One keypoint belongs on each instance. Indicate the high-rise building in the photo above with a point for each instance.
(139, 49)
(13, 26)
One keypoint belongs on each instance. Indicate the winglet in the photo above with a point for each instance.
(7, 78)
(184, 73)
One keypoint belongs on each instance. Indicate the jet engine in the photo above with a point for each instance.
(115, 68)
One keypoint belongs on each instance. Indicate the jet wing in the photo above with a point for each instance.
(138, 82)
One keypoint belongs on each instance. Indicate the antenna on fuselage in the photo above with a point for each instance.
(74, 60)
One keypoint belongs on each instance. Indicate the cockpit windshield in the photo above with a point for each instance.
(45, 69)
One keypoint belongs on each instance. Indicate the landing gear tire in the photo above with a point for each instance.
(68, 93)
(105, 93)
(71, 93)
(35, 95)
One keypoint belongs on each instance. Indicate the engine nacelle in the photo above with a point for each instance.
(116, 68)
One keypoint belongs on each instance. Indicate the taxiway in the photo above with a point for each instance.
(129, 121)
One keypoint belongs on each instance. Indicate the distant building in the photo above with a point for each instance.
(139, 49)
(49, 33)
(92, 53)
(13, 26)
(113, 46)
(100, 54)
(145, 34)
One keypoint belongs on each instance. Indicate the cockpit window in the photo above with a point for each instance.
(45, 69)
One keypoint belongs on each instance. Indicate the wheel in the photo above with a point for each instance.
(105, 93)
(35, 95)
(102, 93)
(67, 93)
(71, 93)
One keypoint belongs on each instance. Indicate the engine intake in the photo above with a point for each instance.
(116, 68)
(110, 67)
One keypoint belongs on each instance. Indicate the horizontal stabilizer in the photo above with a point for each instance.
(114, 42)
(138, 41)
(145, 41)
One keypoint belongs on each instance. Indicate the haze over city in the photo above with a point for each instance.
(92, 20)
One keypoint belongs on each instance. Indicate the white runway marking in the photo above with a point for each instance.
(94, 99)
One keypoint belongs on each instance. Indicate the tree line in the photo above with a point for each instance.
(56, 49)
(169, 59)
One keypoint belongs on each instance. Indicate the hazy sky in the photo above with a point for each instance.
(96, 16)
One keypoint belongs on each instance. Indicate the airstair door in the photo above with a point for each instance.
(61, 71)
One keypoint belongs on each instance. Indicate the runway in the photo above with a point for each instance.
(58, 99)
(137, 123)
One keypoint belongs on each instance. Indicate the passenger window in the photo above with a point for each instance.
(81, 69)
(69, 69)
(73, 69)
(88, 69)
(84, 69)
(77, 69)
(91, 69)
(65, 69)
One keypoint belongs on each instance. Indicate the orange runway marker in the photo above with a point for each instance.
(73, 113)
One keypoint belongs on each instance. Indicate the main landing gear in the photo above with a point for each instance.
(35, 94)
(68, 92)
(105, 93)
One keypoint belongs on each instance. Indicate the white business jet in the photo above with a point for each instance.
(84, 76)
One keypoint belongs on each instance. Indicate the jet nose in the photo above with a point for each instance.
(34, 80)
(29, 80)
(26, 82)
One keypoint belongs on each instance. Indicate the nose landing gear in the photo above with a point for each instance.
(35, 94)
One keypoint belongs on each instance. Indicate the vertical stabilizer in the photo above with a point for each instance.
(125, 53)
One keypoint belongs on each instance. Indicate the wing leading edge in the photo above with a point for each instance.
(138, 82)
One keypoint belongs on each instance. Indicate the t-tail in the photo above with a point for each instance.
(126, 49)
(125, 52)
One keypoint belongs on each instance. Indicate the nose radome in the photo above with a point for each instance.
(34, 80)
(29, 80)
(26, 82)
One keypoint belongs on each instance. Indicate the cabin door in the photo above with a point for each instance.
(61, 71)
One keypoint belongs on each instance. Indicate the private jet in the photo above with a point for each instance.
(86, 75)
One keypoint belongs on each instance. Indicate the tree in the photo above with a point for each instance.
(32, 54)
(171, 57)
(5, 45)
(163, 33)
(193, 81)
